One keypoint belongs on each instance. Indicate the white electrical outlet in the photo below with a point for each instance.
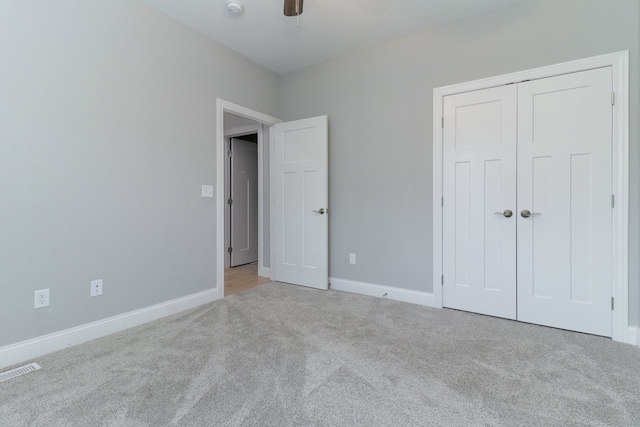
(41, 298)
(352, 258)
(96, 288)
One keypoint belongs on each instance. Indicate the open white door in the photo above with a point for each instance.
(300, 196)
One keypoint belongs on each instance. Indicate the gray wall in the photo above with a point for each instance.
(379, 103)
(107, 132)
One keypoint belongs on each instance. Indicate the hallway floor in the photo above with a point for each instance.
(242, 278)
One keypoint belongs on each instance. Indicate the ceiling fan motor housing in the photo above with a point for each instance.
(292, 7)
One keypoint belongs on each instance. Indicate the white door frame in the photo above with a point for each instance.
(619, 62)
(223, 106)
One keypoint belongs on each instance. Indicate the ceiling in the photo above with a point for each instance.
(328, 28)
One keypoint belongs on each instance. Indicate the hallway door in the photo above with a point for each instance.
(244, 202)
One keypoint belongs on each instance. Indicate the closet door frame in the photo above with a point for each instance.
(619, 62)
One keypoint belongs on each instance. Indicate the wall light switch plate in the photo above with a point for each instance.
(352, 258)
(207, 191)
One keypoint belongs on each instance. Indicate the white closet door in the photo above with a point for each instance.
(479, 185)
(564, 179)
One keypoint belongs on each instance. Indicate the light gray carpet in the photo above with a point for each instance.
(285, 355)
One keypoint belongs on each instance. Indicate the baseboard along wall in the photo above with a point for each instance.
(634, 335)
(397, 294)
(416, 297)
(29, 349)
(264, 272)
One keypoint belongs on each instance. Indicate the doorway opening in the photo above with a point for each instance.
(241, 213)
(233, 121)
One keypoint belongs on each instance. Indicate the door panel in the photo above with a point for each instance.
(480, 180)
(542, 182)
(244, 210)
(564, 175)
(300, 193)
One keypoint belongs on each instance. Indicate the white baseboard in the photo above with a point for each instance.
(264, 272)
(422, 298)
(35, 347)
(634, 335)
(397, 294)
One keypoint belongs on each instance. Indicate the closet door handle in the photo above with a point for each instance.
(526, 214)
(507, 213)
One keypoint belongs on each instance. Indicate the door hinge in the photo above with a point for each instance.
(613, 201)
(230, 153)
(229, 249)
(613, 98)
(442, 123)
(611, 303)
(442, 201)
(442, 280)
(230, 202)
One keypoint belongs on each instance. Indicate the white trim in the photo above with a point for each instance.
(272, 226)
(264, 271)
(619, 62)
(221, 107)
(261, 161)
(29, 349)
(634, 336)
(620, 181)
(244, 130)
(397, 294)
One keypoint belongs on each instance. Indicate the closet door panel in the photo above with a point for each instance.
(479, 185)
(564, 180)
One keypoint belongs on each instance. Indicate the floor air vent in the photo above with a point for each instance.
(16, 372)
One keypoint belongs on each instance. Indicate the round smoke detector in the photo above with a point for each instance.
(235, 7)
